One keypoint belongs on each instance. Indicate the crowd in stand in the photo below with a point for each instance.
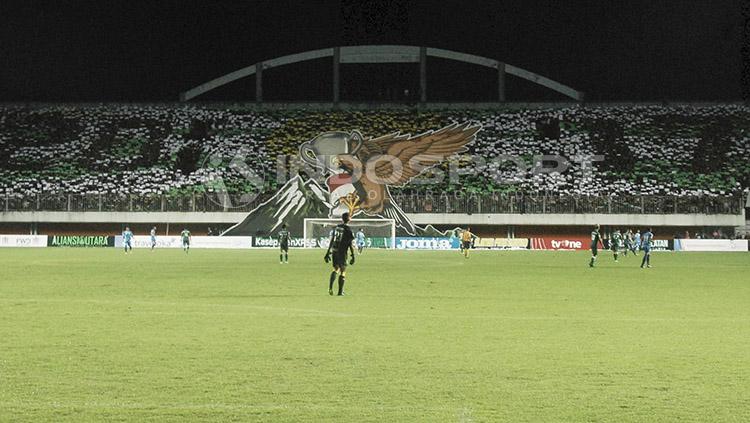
(178, 149)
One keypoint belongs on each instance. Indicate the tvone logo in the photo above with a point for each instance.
(424, 244)
(566, 244)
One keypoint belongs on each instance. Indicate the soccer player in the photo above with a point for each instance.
(127, 239)
(339, 245)
(636, 241)
(360, 240)
(466, 238)
(186, 237)
(616, 243)
(454, 237)
(628, 238)
(596, 240)
(284, 238)
(647, 237)
(153, 238)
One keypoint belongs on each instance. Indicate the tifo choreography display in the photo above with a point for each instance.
(359, 175)
(148, 149)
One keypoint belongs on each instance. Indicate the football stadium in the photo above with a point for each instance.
(375, 211)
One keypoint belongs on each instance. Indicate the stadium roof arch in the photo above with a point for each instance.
(381, 54)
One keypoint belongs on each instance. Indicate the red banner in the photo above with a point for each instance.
(560, 243)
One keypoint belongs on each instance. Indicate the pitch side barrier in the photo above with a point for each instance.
(23, 241)
(583, 243)
(139, 241)
(85, 241)
(229, 242)
(573, 243)
(726, 245)
(401, 243)
(319, 242)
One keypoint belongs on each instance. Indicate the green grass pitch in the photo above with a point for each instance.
(93, 335)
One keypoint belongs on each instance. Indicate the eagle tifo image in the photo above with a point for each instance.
(358, 173)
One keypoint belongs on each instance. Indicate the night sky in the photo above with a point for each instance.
(150, 51)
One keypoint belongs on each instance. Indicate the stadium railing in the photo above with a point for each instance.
(410, 203)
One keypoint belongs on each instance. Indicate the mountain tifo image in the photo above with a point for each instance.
(296, 200)
(302, 198)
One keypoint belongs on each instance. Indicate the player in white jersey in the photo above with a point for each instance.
(646, 239)
(360, 239)
(153, 238)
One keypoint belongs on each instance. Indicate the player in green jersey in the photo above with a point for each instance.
(616, 243)
(186, 237)
(284, 238)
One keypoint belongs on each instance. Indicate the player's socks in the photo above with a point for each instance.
(645, 259)
(342, 279)
(281, 258)
(330, 283)
(591, 263)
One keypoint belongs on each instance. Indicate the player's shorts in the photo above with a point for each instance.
(466, 245)
(153, 240)
(339, 261)
(185, 243)
(360, 245)
(284, 246)
(128, 244)
(646, 249)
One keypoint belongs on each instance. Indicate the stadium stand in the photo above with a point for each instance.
(114, 149)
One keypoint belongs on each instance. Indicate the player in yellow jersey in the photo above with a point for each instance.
(466, 238)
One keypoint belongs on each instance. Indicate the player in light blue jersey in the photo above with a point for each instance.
(127, 239)
(153, 238)
(646, 240)
(360, 238)
(627, 238)
(636, 245)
